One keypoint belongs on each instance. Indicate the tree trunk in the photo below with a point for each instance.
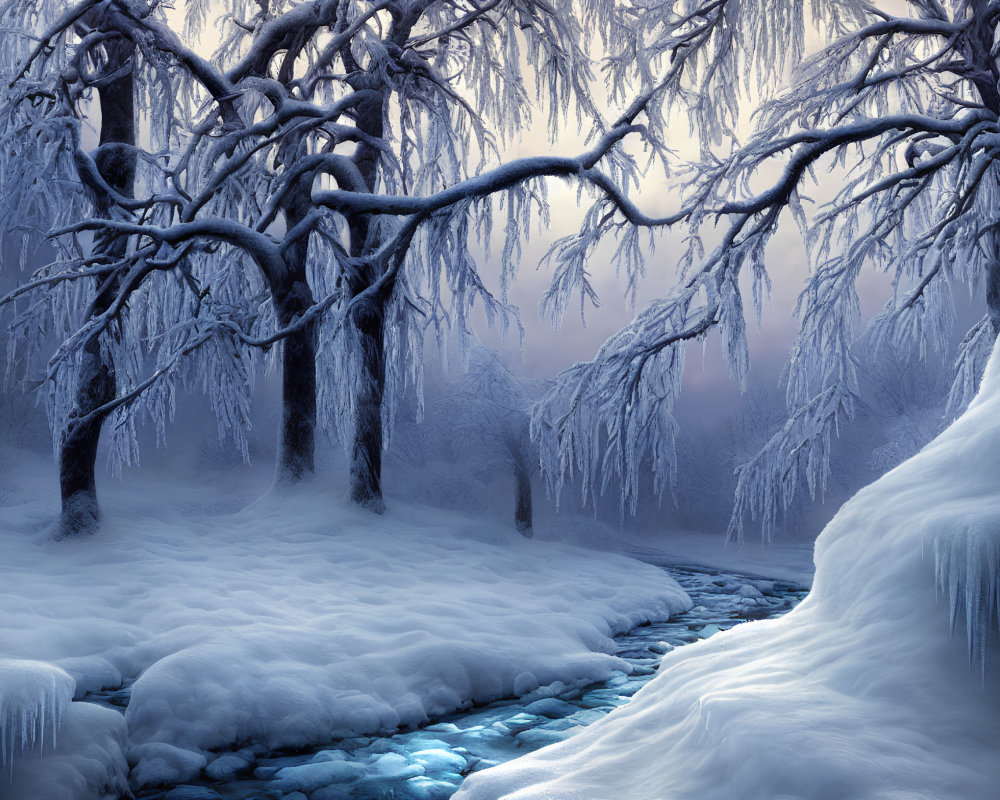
(368, 320)
(97, 384)
(366, 452)
(78, 454)
(297, 437)
(522, 511)
(292, 297)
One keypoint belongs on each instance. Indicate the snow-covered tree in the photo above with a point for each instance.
(899, 107)
(908, 402)
(485, 412)
(377, 135)
(49, 179)
(135, 319)
(337, 160)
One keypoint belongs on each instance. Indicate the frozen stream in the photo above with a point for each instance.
(431, 762)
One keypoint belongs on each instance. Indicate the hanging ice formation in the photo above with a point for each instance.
(33, 696)
(968, 573)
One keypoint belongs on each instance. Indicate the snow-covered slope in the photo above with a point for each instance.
(862, 692)
(298, 620)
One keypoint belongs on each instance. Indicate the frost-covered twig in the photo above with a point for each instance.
(898, 107)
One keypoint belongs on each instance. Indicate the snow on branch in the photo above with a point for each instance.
(896, 110)
(970, 364)
(766, 485)
(611, 418)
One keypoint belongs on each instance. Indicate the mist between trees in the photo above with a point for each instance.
(311, 199)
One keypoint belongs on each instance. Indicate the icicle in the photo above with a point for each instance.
(967, 566)
(33, 696)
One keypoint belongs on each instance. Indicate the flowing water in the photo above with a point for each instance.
(430, 763)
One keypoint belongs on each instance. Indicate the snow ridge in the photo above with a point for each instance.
(33, 697)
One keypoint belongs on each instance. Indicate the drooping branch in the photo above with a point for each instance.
(918, 157)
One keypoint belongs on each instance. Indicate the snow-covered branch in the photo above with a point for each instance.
(901, 112)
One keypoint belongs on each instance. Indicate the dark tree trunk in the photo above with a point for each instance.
(78, 454)
(366, 451)
(97, 384)
(368, 320)
(297, 436)
(522, 511)
(977, 45)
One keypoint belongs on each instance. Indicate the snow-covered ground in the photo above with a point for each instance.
(293, 621)
(862, 692)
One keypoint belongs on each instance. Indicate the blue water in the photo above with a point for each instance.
(431, 762)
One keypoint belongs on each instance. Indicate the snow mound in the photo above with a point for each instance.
(862, 692)
(33, 698)
(87, 762)
(302, 619)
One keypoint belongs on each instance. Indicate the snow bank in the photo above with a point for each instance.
(51, 748)
(87, 762)
(861, 692)
(301, 619)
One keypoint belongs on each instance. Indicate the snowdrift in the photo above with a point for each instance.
(866, 690)
(86, 762)
(293, 622)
